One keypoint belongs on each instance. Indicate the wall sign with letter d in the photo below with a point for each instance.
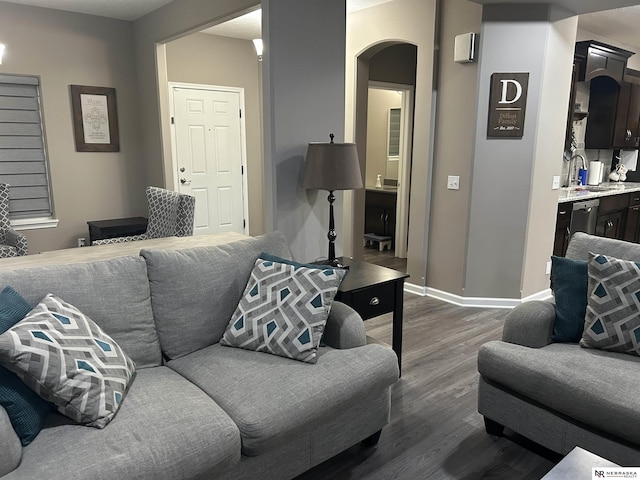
(507, 104)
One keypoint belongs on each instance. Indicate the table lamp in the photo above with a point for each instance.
(332, 166)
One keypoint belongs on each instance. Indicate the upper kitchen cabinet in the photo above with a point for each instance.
(599, 59)
(626, 133)
(614, 114)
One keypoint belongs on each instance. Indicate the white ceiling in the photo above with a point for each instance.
(618, 25)
(120, 9)
(249, 26)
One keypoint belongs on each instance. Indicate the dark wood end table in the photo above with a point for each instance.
(372, 290)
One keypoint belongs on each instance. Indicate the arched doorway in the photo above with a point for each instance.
(387, 65)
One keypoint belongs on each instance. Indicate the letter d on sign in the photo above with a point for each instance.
(507, 104)
(505, 91)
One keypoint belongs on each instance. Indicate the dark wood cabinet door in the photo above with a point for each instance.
(563, 229)
(625, 133)
(380, 212)
(632, 224)
(603, 102)
(611, 225)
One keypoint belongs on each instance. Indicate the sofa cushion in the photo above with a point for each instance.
(612, 320)
(113, 293)
(195, 291)
(284, 308)
(68, 360)
(271, 398)
(594, 387)
(26, 410)
(10, 446)
(569, 283)
(166, 429)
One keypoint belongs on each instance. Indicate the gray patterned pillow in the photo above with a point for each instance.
(284, 308)
(612, 320)
(69, 361)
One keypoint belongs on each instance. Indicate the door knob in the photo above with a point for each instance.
(184, 181)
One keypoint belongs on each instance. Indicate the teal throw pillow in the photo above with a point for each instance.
(26, 410)
(284, 308)
(569, 280)
(613, 311)
(67, 359)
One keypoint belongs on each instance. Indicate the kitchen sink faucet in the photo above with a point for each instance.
(571, 174)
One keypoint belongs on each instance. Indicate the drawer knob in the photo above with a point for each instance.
(374, 301)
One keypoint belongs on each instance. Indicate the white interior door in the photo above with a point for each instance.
(208, 147)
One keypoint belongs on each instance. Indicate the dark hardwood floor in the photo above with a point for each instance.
(435, 430)
(385, 258)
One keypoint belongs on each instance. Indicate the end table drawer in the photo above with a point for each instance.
(373, 301)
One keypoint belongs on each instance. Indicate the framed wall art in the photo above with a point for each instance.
(95, 119)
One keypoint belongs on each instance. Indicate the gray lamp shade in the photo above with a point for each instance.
(332, 166)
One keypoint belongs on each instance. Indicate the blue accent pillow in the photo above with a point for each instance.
(569, 279)
(25, 408)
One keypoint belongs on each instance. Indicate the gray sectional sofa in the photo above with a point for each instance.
(196, 409)
(562, 395)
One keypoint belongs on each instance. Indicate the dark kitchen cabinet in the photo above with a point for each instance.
(632, 224)
(563, 229)
(626, 132)
(614, 115)
(600, 59)
(610, 225)
(612, 214)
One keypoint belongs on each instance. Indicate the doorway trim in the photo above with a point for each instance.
(243, 139)
(404, 172)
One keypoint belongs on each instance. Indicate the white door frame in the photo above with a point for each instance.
(243, 139)
(404, 170)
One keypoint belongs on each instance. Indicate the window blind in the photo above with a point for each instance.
(394, 132)
(23, 160)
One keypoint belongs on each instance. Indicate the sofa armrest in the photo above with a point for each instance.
(345, 328)
(530, 324)
(10, 446)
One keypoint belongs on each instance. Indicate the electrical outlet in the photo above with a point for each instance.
(82, 242)
(547, 269)
(555, 185)
(453, 182)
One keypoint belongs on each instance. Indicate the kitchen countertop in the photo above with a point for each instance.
(605, 189)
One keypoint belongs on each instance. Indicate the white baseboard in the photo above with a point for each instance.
(483, 302)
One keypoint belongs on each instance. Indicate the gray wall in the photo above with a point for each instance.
(394, 64)
(303, 72)
(230, 62)
(506, 186)
(67, 48)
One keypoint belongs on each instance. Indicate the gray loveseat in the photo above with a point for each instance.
(196, 409)
(562, 395)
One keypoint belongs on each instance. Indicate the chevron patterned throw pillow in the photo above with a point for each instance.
(284, 308)
(68, 360)
(612, 320)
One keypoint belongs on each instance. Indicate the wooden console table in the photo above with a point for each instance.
(372, 290)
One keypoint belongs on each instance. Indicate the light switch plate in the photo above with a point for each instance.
(453, 182)
(555, 185)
